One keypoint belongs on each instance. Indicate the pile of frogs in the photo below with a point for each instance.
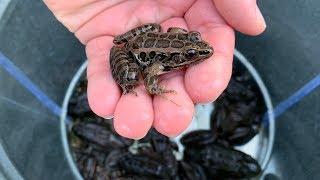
(208, 154)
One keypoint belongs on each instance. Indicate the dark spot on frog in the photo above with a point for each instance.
(140, 29)
(175, 57)
(160, 57)
(174, 54)
(169, 66)
(177, 44)
(163, 35)
(137, 43)
(149, 43)
(201, 44)
(172, 36)
(152, 54)
(123, 73)
(195, 36)
(188, 44)
(153, 35)
(135, 46)
(133, 32)
(162, 43)
(119, 68)
(182, 36)
(142, 56)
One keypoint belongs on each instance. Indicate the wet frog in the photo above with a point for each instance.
(147, 52)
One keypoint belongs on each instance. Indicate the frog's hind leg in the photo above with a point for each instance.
(176, 30)
(124, 70)
(123, 38)
(151, 80)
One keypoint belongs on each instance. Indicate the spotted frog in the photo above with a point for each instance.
(147, 52)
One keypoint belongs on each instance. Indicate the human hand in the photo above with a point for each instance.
(95, 23)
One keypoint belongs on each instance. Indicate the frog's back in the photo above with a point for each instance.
(159, 42)
(151, 47)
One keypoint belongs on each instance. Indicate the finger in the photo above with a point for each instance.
(244, 16)
(74, 18)
(122, 17)
(61, 5)
(173, 111)
(134, 114)
(73, 14)
(103, 92)
(206, 81)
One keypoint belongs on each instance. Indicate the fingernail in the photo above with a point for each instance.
(107, 117)
(173, 135)
(260, 18)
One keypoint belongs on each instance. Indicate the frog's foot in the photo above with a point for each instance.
(163, 91)
(129, 89)
(159, 90)
(131, 92)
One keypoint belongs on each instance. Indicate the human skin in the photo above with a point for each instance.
(96, 22)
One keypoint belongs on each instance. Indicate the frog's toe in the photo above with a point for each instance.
(153, 90)
(168, 91)
(133, 92)
(160, 90)
(130, 91)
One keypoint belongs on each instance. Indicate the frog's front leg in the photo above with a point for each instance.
(151, 79)
(124, 70)
(123, 38)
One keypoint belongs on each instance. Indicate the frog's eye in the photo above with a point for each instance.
(191, 53)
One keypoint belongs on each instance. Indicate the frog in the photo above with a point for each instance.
(145, 52)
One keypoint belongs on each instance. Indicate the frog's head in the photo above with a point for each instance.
(197, 49)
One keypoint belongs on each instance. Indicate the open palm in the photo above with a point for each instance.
(96, 22)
